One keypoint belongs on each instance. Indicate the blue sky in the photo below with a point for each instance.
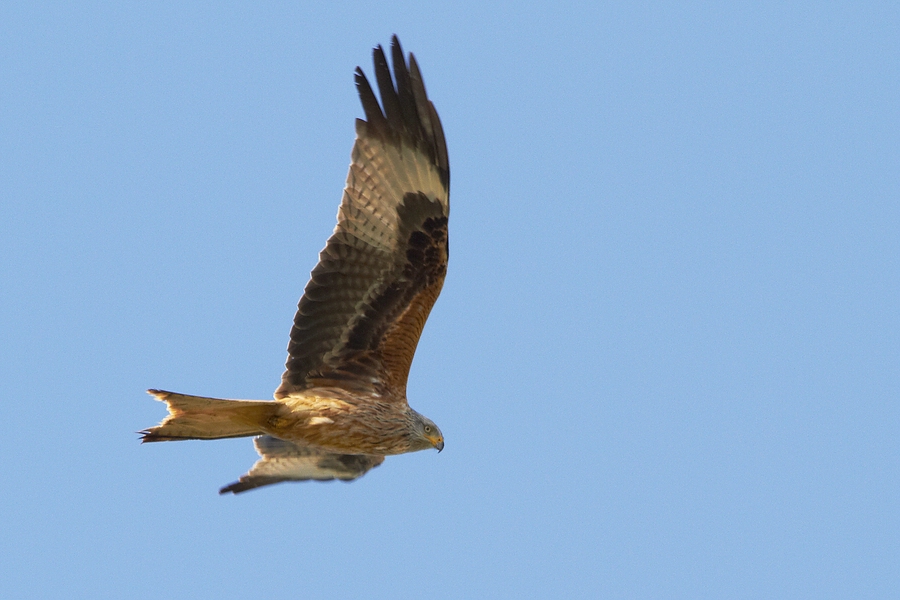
(665, 359)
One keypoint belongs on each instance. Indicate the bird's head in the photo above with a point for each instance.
(425, 434)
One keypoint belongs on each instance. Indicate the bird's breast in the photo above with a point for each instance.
(348, 425)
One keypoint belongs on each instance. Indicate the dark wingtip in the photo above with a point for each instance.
(390, 100)
(405, 110)
(397, 51)
(235, 487)
(245, 484)
(371, 108)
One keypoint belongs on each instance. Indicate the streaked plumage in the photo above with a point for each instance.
(341, 406)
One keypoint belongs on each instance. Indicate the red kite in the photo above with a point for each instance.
(341, 406)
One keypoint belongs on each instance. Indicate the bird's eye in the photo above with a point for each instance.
(428, 429)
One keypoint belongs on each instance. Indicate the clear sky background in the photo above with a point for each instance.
(666, 360)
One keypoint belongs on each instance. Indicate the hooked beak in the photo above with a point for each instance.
(438, 443)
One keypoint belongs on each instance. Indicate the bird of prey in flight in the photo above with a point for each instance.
(341, 406)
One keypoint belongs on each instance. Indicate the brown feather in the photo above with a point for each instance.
(363, 310)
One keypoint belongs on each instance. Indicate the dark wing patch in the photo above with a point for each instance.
(361, 314)
(288, 461)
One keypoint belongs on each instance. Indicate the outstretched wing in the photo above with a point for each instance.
(288, 461)
(360, 317)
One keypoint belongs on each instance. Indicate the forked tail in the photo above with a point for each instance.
(199, 418)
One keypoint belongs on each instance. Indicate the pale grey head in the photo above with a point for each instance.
(424, 434)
